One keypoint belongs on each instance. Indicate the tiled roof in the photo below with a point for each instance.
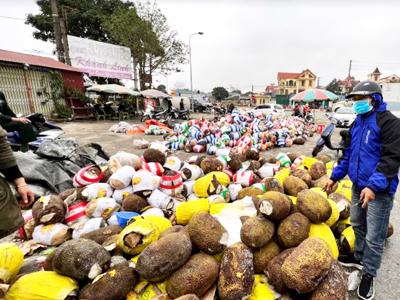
(283, 75)
(34, 60)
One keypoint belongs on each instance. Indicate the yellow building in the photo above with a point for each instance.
(293, 83)
(261, 99)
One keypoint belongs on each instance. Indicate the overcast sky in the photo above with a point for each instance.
(246, 42)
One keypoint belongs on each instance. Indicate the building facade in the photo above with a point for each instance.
(346, 85)
(293, 83)
(25, 79)
(259, 99)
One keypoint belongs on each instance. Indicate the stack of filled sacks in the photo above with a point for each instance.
(234, 226)
(237, 130)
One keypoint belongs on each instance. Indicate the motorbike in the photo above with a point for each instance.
(149, 113)
(180, 114)
(45, 131)
(325, 140)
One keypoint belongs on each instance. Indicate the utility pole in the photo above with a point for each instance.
(350, 67)
(318, 82)
(65, 39)
(252, 94)
(135, 77)
(57, 31)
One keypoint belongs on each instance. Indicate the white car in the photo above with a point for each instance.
(344, 116)
(268, 109)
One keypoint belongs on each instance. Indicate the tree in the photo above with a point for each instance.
(84, 18)
(174, 51)
(162, 88)
(128, 29)
(220, 93)
(333, 86)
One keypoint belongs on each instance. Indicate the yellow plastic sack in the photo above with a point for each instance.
(329, 165)
(309, 161)
(11, 259)
(145, 290)
(43, 285)
(329, 172)
(222, 177)
(345, 221)
(216, 208)
(324, 232)
(344, 188)
(150, 227)
(282, 174)
(186, 210)
(261, 289)
(319, 191)
(350, 237)
(203, 186)
(334, 215)
(294, 199)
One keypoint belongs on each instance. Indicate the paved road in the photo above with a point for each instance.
(388, 283)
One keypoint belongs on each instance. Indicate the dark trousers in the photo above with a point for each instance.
(25, 131)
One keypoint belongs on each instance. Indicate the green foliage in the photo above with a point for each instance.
(236, 92)
(56, 94)
(141, 27)
(220, 93)
(85, 18)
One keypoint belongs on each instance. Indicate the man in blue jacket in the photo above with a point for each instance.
(371, 160)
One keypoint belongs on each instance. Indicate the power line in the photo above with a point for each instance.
(12, 18)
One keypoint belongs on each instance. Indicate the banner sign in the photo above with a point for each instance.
(100, 59)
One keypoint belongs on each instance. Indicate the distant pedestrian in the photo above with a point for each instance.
(181, 105)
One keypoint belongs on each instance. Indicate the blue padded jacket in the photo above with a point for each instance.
(372, 158)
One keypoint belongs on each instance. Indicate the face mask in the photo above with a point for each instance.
(362, 106)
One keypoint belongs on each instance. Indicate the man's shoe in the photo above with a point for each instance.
(366, 289)
(350, 262)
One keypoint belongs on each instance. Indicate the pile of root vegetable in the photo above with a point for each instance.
(233, 227)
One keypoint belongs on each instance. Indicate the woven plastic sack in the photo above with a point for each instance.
(11, 259)
(334, 215)
(282, 174)
(344, 188)
(261, 289)
(150, 227)
(324, 232)
(309, 161)
(145, 290)
(43, 285)
(350, 237)
(186, 210)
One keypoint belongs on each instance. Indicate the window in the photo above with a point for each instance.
(303, 83)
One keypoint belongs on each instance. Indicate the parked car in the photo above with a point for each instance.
(344, 116)
(268, 109)
(339, 104)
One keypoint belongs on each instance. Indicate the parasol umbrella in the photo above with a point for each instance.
(112, 89)
(314, 95)
(154, 94)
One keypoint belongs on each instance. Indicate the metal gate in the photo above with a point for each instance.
(24, 89)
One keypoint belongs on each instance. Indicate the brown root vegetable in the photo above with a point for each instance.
(49, 210)
(211, 164)
(292, 156)
(318, 169)
(314, 206)
(173, 229)
(303, 175)
(206, 233)
(334, 285)
(196, 276)
(80, 259)
(273, 184)
(154, 155)
(256, 232)
(343, 205)
(274, 270)
(249, 191)
(134, 203)
(390, 230)
(102, 234)
(274, 205)
(114, 285)
(307, 265)
(236, 273)
(325, 158)
(293, 230)
(162, 257)
(293, 185)
(252, 154)
(263, 255)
